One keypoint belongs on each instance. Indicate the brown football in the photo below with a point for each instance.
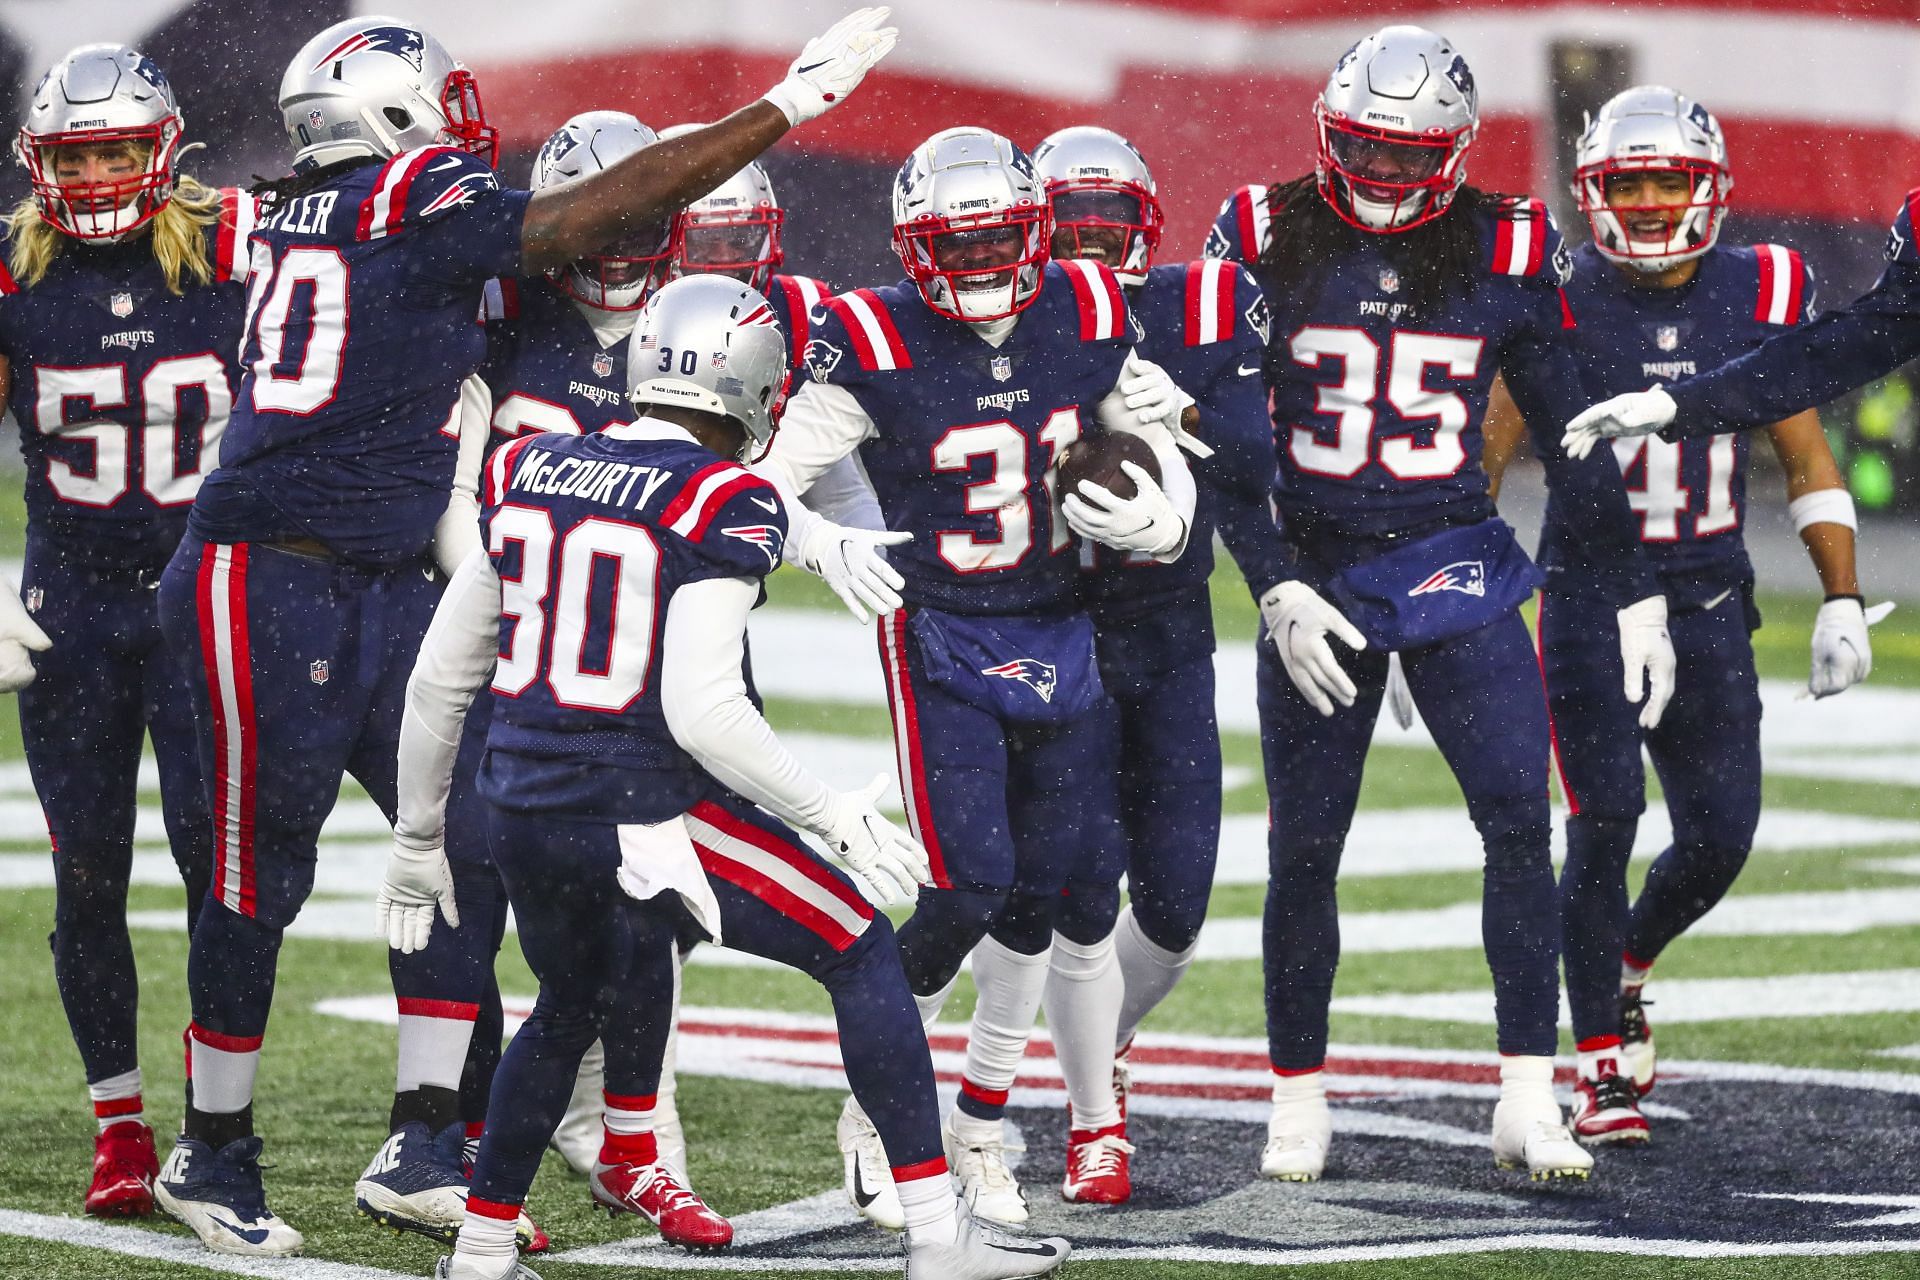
(1098, 458)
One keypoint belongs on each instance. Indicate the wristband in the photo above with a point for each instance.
(1823, 506)
(1847, 595)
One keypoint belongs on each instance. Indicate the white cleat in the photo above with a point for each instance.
(1299, 1131)
(1636, 1039)
(218, 1195)
(987, 1185)
(982, 1253)
(868, 1173)
(581, 1128)
(1535, 1138)
(464, 1267)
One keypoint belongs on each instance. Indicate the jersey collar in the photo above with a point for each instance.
(648, 429)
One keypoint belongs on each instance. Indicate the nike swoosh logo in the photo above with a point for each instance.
(449, 163)
(1719, 600)
(255, 1236)
(862, 1196)
(771, 508)
(1031, 1250)
(811, 66)
(1244, 370)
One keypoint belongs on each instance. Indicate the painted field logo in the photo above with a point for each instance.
(1410, 1174)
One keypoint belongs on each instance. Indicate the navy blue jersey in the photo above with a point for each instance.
(1824, 358)
(793, 299)
(1689, 496)
(1377, 413)
(967, 434)
(361, 307)
(591, 535)
(1206, 324)
(545, 365)
(122, 390)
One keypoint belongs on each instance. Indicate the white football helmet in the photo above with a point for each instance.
(620, 277)
(733, 230)
(101, 95)
(377, 86)
(1097, 182)
(1395, 121)
(1650, 127)
(971, 224)
(713, 344)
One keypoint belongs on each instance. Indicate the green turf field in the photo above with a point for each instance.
(1844, 849)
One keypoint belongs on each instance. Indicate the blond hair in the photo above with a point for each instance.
(177, 232)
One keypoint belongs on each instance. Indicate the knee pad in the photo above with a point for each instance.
(1026, 924)
(944, 927)
(1085, 913)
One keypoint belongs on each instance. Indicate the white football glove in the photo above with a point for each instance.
(1399, 697)
(888, 864)
(1842, 656)
(1637, 413)
(1646, 651)
(854, 563)
(1158, 401)
(1145, 522)
(1298, 619)
(20, 638)
(832, 65)
(419, 880)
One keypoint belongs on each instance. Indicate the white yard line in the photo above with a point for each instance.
(138, 1242)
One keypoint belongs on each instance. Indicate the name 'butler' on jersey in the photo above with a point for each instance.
(944, 405)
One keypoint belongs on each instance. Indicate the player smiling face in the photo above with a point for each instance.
(1650, 203)
(1383, 169)
(1095, 224)
(981, 259)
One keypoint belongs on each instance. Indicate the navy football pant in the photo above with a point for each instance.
(604, 962)
(1156, 814)
(989, 800)
(107, 684)
(1707, 752)
(1480, 694)
(300, 668)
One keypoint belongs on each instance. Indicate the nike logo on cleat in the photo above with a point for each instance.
(1032, 1250)
(257, 1235)
(862, 1196)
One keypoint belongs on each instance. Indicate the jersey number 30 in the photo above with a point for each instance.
(592, 659)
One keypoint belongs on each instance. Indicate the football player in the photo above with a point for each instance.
(961, 387)
(119, 321)
(1399, 293)
(1656, 295)
(302, 588)
(624, 763)
(1204, 323)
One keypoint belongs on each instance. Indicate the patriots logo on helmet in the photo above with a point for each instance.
(1038, 676)
(764, 536)
(1468, 577)
(555, 149)
(1701, 117)
(402, 42)
(822, 357)
(144, 67)
(1462, 77)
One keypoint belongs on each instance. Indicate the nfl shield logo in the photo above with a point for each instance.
(602, 364)
(1002, 367)
(121, 304)
(1389, 280)
(35, 598)
(1666, 337)
(317, 671)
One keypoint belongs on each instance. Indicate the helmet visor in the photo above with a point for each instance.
(1387, 165)
(743, 245)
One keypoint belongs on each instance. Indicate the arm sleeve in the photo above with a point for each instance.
(1808, 365)
(1543, 377)
(704, 696)
(822, 424)
(456, 660)
(1254, 540)
(457, 535)
(844, 495)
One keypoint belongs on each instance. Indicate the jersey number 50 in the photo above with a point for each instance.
(551, 605)
(1353, 398)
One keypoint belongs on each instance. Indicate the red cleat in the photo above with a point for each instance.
(653, 1192)
(1097, 1166)
(529, 1235)
(124, 1167)
(1607, 1112)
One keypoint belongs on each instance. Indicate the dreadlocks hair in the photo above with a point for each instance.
(1436, 261)
(177, 233)
(271, 191)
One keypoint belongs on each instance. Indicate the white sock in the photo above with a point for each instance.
(1083, 995)
(1528, 1079)
(1299, 1102)
(666, 1111)
(1633, 975)
(1148, 971)
(1010, 987)
(222, 1069)
(931, 1208)
(487, 1239)
(116, 1100)
(930, 1006)
(434, 1035)
(1602, 1059)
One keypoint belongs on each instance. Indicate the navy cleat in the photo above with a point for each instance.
(415, 1182)
(219, 1196)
